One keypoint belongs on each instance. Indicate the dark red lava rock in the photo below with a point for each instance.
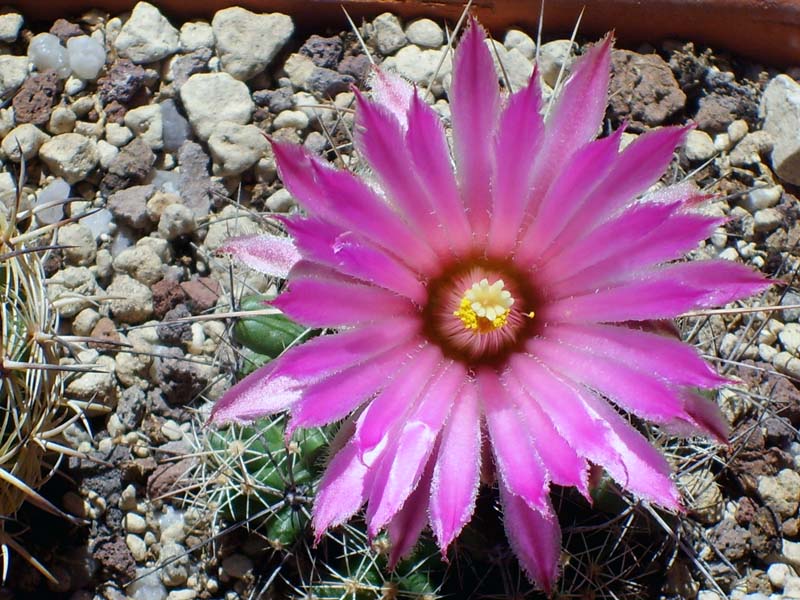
(121, 83)
(64, 29)
(201, 294)
(167, 294)
(643, 89)
(35, 99)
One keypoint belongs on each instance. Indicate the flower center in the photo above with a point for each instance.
(484, 306)
(478, 310)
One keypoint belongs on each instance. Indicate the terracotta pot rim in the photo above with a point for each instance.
(767, 31)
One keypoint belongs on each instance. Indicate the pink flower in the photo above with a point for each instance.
(506, 304)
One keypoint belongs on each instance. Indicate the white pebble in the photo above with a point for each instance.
(86, 57)
(46, 52)
(56, 191)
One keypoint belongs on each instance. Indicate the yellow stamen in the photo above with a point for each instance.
(485, 307)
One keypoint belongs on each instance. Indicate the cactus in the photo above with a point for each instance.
(33, 411)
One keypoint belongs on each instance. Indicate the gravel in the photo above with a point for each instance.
(160, 127)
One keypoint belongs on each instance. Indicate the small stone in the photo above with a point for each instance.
(210, 98)
(699, 147)
(132, 302)
(140, 262)
(767, 220)
(511, 66)
(175, 560)
(97, 385)
(35, 98)
(167, 294)
(195, 35)
(53, 194)
(64, 29)
(118, 135)
(708, 595)
(323, 51)
(171, 430)
(791, 587)
(790, 337)
(388, 33)
(201, 294)
(137, 547)
(196, 188)
(84, 322)
(107, 153)
(247, 42)
(236, 565)
(132, 165)
(521, 41)
(737, 130)
(704, 494)
(13, 71)
(778, 573)
(176, 220)
(10, 24)
(761, 198)
(186, 594)
(781, 492)
(147, 123)
(121, 83)
(130, 206)
(80, 248)
(46, 52)
(158, 202)
(23, 141)
(175, 127)
(183, 67)
(86, 57)
(751, 149)
(327, 83)
(291, 118)
(135, 523)
(235, 148)
(357, 67)
(791, 553)
(62, 120)
(780, 108)
(643, 89)
(147, 36)
(71, 156)
(280, 201)
(298, 68)
(419, 66)
(425, 33)
(553, 56)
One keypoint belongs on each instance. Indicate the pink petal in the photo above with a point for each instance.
(341, 491)
(578, 112)
(475, 104)
(343, 199)
(566, 195)
(705, 418)
(456, 477)
(668, 358)
(516, 459)
(334, 397)
(406, 526)
(393, 92)
(401, 466)
(644, 471)
(430, 154)
(381, 140)
(598, 432)
(661, 294)
(397, 399)
(260, 393)
(635, 391)
(354, 256)
(562, 462)
(637, 167)
(333, 352)
(321, 303)
(641, 237)
(535, 538)
(516, 146)
(269, 254)
(562, 404)
(365, 262)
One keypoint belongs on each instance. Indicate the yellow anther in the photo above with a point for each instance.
(484, 306)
